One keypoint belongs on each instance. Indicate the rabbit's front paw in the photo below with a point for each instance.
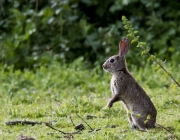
(109, 105)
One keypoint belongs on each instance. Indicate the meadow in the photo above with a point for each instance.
(52, 82)
(63, 94)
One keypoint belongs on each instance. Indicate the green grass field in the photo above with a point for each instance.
(59, 92)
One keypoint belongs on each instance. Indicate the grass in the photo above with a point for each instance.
(55, 92)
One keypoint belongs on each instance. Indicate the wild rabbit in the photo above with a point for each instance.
(140, 109)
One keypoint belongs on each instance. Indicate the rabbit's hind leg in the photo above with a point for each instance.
(139, 122)
(132, 125)
(151, 123)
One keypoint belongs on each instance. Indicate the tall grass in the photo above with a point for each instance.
(52, 93)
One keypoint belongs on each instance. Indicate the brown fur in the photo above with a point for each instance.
(140, 109)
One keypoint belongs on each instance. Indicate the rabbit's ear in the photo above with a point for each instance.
(123, 46)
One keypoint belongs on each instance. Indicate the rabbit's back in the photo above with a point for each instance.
(135, 99)
(130, 92)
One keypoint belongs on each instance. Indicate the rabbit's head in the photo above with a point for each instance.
(117, 62)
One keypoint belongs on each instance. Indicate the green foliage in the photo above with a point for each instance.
(47, 35)
(58, 31)
(146, 49)
(61, 90)
(35, 33)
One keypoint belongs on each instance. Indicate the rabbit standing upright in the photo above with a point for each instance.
(140, 109)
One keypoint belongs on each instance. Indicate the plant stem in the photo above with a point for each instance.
(165, 70)
(128, 26)
(85, 122)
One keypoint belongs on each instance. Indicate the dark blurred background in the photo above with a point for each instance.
(38, 32)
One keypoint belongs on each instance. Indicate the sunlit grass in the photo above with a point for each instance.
(56, 92)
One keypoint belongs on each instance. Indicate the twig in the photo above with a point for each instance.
(77, 127)
(24, 122)
(168, 131)
(94, 130)
(128, 27)
(65, 133)
(72, 121)
(85, 122)
(56, 129)
(165, 70)
(161, 66)
(90, 117)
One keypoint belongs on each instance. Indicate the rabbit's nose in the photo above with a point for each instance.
(104, 66)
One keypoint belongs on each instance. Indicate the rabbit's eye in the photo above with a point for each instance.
(111, 60)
